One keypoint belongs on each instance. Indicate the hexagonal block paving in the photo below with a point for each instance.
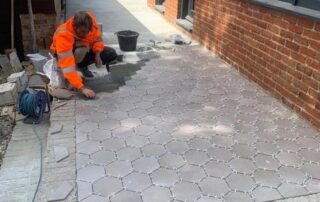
(243, 151)
(87, 126)
(151, 120)
(266, 194)
(242, 166)
(119, 168)
(266, 162)
(84, 190)
(177, 147)
(208, 199)
(293, 175)
(146, 164)
(220, 154)
(126, 196)
(164, 177)
(290, 159)
(200, 143)
(267, 148)
(223, 141)
(292, 190)
(287, 145)
(88, 147)
(309, 155)
(196, 157)
(145, 130)
(308, 143)
(99, 135)
(117, 115)
(192, 173)
(131, 122)
(107, 186)
(157, 194)
(109, 124)
(138, 113)
(160, 138)
(103, 157)
(186, 191)
(128, 154)
(241, 182)
(137, 141)
(214, 187)
(217, 169)
(153, 150)
(136, 181)
(312, 169)
(172, 161)
(267, 178)
(237, 197)
(95, 198)
(113, 144)
(123, 132)
(91, 173)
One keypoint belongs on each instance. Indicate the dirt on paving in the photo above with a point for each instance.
(6, 128)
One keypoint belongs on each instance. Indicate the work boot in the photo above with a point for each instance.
(86, 72)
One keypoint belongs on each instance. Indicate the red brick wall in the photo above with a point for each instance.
(172, 9)
(278, 50)
(151, 3)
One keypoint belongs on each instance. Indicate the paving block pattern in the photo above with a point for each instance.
(190, 128)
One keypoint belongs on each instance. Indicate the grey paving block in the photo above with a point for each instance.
(60, 153)
(238, 197)
(308, 143)
(126, 196)
(151, 120)
(177, 147)
(309, 155)
(192, 173)
(95, 198)
(107, 186)
(242, 166)
(146, 164)
(288, 145)
(160, 138)
(145, 130)
(186, 191)
(267, 148)
(220, 154)
(243, 151)
(113, 144)
(61, 192)
(99, 135)
(87, 126)
(103, 157)
(291, 190)
(293, 175)
(123, 132)
(214, 187)
(137, 141)
(91, 173)
(312, 169)
(223, 141)
(131, 122)
(88, 147)
(117, 115)
(290, 159)
(267, 178)
(136, 182)
(200, 143)
(55, 128)
(172, 161)
(157, 194)
(128, 154)
(109, 124)
(217, 169)
(313, 186)
(266, 162)
(153, 150)
(82, 160)
(196, 157)
(84, 190)
(164, 177)
(266, 194)
(241, 182)
(119, 168)
(208, 199)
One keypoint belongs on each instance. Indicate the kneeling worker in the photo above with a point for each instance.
(77, 44)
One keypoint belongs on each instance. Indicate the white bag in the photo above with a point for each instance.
(52, 70)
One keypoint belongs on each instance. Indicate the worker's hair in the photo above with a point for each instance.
(82, 19)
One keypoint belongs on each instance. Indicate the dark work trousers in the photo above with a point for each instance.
(107, 56)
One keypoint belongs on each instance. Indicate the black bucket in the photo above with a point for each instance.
(127, 40)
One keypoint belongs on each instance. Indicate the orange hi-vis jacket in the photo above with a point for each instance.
(63, 45)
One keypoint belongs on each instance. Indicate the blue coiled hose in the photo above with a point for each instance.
(33, 104)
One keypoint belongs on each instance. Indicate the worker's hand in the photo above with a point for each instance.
(88, 92)
(98, 60)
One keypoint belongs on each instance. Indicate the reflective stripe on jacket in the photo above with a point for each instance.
(63, 45)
